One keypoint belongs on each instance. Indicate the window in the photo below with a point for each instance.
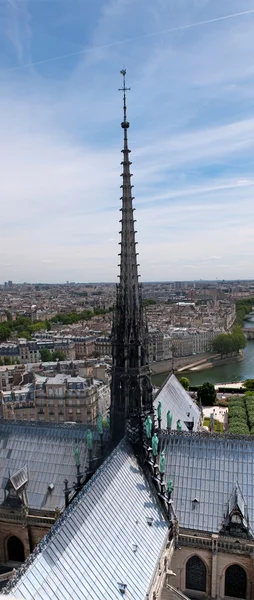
(70, 402)
(15, 549)
(78, 411)
(195, 574)
(70, 411)
(60, 402)
(235, 582)
(78, 402)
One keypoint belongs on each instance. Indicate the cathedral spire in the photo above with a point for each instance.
(129, 287)
(131, 391)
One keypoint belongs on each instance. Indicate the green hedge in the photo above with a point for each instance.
(237, 416)
(241, 415)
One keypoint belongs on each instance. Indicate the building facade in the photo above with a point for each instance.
(62, 398)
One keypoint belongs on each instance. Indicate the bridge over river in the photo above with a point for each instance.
(249, 333)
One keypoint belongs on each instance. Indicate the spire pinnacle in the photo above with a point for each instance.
(124, 89)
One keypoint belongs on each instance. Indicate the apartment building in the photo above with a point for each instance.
(156, 346)
(11, 375)
(84, 347)
(103, 346)
(61, 398)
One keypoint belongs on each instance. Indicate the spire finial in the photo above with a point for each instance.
(124, 89)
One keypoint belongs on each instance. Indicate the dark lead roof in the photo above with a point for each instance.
(102, 540)
(44, 454)
(205, 471)
(174, 397)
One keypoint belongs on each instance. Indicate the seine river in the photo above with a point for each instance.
(238, 371)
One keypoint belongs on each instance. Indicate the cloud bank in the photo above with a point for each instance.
(191, 136)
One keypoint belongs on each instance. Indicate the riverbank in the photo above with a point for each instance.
(216, 362)
(226, 373)
(184, 363)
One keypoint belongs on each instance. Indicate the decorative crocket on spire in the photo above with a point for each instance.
(131, 391)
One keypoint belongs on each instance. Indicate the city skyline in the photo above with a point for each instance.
(191, 116)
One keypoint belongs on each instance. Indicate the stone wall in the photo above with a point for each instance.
(13, 529)
(166, 365)
(216, 564)
(29, 536)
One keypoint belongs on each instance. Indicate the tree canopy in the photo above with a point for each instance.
(249, 384)
(25, 327)
(184, 381)
(228, 343)
(47, 356)
(243, 308)
(207, 394)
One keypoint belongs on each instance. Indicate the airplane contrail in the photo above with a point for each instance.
(127, 40)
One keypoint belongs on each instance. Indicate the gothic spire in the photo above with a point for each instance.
(131, 391)
(129, 288)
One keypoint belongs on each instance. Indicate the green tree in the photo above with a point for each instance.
(184, 381)
(5, 332)
(8, 315)
(243, 308)
(46, 355)
(207, 394)
(149, 302)
(24, 334)
(238, 338)
(58, 355)
(7, 360)
(227, 343)
(249, 384)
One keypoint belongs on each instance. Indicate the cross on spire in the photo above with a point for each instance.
(124, 89)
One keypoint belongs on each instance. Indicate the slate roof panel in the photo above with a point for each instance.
(47, 451)
(174, 397)
(90, 549)
(208, 468)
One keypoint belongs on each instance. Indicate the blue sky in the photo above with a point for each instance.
(191, 109)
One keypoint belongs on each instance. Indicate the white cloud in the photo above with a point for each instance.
(191, 137)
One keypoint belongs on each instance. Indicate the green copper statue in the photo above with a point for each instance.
(162, 462)
(77, 455)
(159, 411)
(170, 486)
(169, 419)
(155, 443)
(89, 439)
(148, 426)
(179, 425)
(99, 424)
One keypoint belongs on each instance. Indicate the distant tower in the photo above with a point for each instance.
(131, 390)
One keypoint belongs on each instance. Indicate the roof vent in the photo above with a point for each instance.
(122, 587)
(51, 487)
(195, 500)
(134, 547)
(149, 521)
